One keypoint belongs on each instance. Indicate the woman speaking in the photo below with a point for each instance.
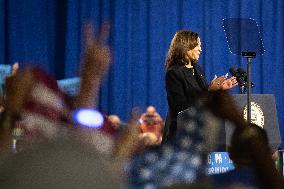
(185, 79)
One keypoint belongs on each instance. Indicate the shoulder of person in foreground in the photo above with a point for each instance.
(49, 163)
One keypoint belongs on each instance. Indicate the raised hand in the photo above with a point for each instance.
(96, 50)
(15, 68)
(96, 63)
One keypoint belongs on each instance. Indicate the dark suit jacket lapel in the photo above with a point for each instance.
(190, 80)
(201, 76)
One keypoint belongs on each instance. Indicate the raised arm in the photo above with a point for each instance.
(96, 62)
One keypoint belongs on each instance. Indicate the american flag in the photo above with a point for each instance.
(45, 109)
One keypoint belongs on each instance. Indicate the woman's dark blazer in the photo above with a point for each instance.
(182, 86)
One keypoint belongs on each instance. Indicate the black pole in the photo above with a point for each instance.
(249, 61)
(249, 56)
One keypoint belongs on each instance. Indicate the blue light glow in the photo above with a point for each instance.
(88, 117)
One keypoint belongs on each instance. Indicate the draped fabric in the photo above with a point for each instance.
(49, 33)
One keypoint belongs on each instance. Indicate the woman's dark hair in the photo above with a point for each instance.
(182, 42)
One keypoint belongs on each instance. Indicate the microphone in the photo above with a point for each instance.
(239, 75)
(244, 75)
(233, 71)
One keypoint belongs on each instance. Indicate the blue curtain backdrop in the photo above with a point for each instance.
(48, 33)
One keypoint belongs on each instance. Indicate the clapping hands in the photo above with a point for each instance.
(222, 83)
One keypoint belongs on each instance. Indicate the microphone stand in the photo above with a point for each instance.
(249, 56)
